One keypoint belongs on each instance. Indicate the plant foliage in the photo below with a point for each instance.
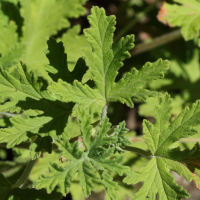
(159, 138)
(27, 28)
(104, 60)
(61, 110)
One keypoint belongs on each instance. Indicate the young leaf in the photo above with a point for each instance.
(159, 137)
(8, 193)
(104, 60)
(95, 158)
(185, 14)
(122, 140)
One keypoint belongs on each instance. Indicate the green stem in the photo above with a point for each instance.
(134, 21)
(25, 174)
(138, 151)
(9, 114)
(104, 112)
(159, 41)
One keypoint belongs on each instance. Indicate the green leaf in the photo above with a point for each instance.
(28, 92)
(91, 164)
(159, 138)
(29, 41)
(9, 193)
(43, 25)
(104, 60)
(11, 56)
(8, 35)
(20, 131)
(185, 14)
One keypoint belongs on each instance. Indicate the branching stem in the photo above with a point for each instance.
(158, 41)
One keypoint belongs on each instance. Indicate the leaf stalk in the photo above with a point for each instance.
(25, 174)
(137, 151)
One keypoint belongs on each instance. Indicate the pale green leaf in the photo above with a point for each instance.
(11, 56)
(8, 35)
(78, 93)
(159, 138)
(39, 24)
(122, 140)
(28, 42)
(21, 130)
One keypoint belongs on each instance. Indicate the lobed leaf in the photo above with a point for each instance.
(159, 138)
(58, 67)
(28, 92)
(26, 33)
(104, 60)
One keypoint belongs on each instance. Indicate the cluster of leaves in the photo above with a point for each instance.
(94, 157)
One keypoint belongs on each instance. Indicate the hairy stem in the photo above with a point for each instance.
(25, 174)
(9, 114)
(138, 151)
(134, 21)
(156, 42)
(104, 112)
